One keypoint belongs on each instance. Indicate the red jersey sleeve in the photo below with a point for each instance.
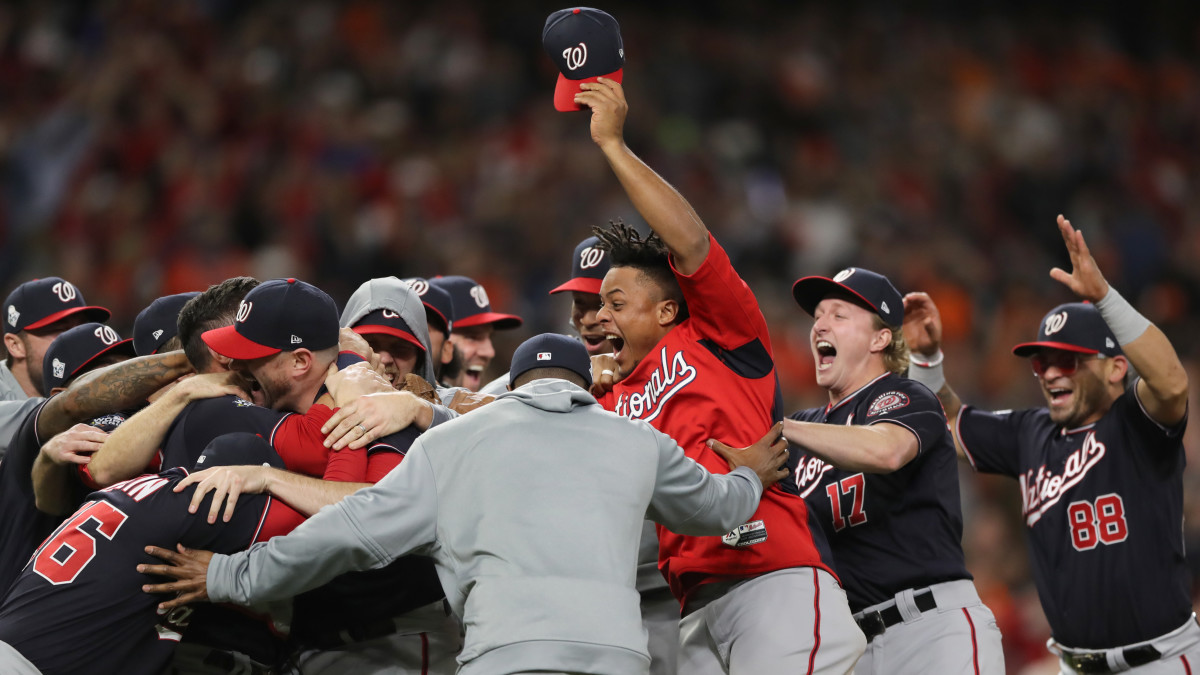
(347, 466)
(299, 441)
(277, 520)
(380, 462)
(721, 306)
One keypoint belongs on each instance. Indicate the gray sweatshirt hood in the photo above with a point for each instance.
(551, 395)
(393, 295)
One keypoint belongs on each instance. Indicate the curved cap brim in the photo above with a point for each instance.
(1030, 348)
(227, 342)
(565, 90)
(581, 284)
(500, 321)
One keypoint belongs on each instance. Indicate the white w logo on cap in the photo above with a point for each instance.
(1055, 323)
(479, 296)
(244, 311)
(575, 56)
(64, 290)
(590, 257)
(107, 335)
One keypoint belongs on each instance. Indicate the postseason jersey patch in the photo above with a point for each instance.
(753, 532)
(885, 403)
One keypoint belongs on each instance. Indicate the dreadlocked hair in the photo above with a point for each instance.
(649, 255)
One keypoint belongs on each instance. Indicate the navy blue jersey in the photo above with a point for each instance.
(22, 526)
(1103, 510)
(888, 532)
(78, 606)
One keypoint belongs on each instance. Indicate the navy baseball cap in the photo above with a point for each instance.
(587, 268)
(1073, 327)
(387, 322)
(551, 350)
(75, 348)
(585, 44)
(278, 315)
(39, 303)
(871, 290)
(238, 449)
(435, 299)
(471, 306)
(158, 323)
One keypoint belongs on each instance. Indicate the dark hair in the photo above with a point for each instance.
(627, 248)
(214, 308)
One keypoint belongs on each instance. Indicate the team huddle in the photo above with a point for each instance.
(256, 482)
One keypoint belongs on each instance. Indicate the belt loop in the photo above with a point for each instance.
(907, 605)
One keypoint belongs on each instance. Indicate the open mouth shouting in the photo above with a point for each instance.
(616, 343)
(826, 354)
(595, 343)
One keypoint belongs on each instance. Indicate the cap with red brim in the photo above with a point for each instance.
(1030, 348)
(500, 321)
(226, 341)
(565, 90)
(581, 284)
(97, 314)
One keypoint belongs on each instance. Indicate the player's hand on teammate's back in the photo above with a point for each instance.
(1085, 279)
(922, 324)
(188, 568)
(606, 98)
(373, 416)
(605, 374)
(767, 456)
(75, 445)
(213, 385)
(226, 483)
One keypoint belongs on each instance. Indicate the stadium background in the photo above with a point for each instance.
(152, 147)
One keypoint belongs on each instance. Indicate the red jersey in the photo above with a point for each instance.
(713, 376)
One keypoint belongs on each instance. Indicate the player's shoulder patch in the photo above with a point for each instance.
(241, 402)
(887, 402)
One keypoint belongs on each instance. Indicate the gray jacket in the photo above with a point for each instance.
(532, 508)
(14, 407)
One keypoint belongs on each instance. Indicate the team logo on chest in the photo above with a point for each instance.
(1042, 489)
(673, 374)
(808, 474)
(893, 400)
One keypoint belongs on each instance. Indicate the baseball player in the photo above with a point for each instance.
(35, 313)
(1100, 472)
(156, 327)
(78, 606)
(474, 323)
(92, 392)
(694, 360)
(439, 318)
(538, 554)
(878, 468)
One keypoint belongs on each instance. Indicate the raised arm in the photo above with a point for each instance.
(923, 333)
(1163, 388)
(665, 210)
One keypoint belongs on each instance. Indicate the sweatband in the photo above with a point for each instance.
(1126, 323)
(928, 373)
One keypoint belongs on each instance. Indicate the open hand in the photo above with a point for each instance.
(922, 324)
(767, 456)
(1085, 279)
(226, 483)
(606, 98)
(188, 567)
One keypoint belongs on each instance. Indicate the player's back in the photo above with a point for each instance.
(78, 605)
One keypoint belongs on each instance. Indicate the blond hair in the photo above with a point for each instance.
(895, 355)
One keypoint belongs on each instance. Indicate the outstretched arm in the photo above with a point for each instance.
(665, 210)
(877, 448)
(1163, 388)
(923, 333)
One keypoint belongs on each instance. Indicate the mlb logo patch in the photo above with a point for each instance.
(543, 356)
(753, 532)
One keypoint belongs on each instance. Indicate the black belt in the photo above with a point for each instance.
(1097, 662)
(225, 661)
(874, 623)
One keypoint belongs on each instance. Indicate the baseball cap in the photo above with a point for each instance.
(1073, 327)
(389, 323)
(75, 348)
(551, 350)
(41, 302)
(585, 44)
(158, 322)
(471, 306)
(435, 299)
(872, 290)
(278, 315)
(587, 268)
(238, 449)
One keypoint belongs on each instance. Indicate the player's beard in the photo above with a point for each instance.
(1088, 396)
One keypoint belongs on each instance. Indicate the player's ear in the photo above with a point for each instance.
(883, 338)
(15, 347)
(1118, 370)
(668, 312)
(219, 359)
(302, 360)
(57, 390)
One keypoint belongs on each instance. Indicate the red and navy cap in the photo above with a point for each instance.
(435, 299)
(1073, 327)
(387, 322)
(75, 348)
(551, 350)
(585, 44)
(39, 303)
(867, 288)
(587, 268)
(240, 448)
(278, 315)
(471, 306)
(158, 323)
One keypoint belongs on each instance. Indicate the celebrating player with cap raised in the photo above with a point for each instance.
(1100, 471)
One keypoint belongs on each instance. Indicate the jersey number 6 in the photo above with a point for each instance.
(854, 485)
(70, 549)
(1102, 524)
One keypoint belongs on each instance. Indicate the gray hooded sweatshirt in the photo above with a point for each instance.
(531, 508)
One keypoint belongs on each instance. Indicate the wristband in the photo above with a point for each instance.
(928, 373)
(1126, 323)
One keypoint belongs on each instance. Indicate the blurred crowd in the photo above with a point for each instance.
(151, 147)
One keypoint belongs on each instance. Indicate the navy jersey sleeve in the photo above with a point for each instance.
(1130, 407)
(203, 420)
(909, 404)
(991, 440)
